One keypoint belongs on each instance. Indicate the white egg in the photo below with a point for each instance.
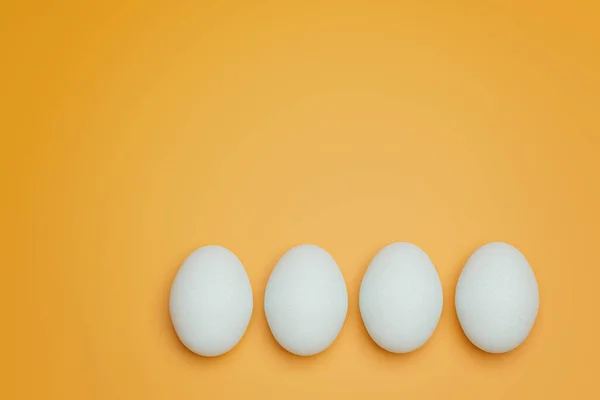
(306, 300)
(497, 298)
(401, 298)
(211, 301)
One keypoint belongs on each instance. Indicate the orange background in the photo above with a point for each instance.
(135, 132)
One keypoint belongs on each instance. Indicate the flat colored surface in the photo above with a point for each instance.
(134, 132)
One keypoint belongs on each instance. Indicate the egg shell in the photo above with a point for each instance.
(211, 301)
(401, 298)
(497, 298)
(306, 300)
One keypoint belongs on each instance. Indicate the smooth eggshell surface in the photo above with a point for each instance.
(497, 298)
(211, 301)
(306, 300)
(401, 298)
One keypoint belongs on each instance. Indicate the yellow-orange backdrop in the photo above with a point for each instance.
(135, 132)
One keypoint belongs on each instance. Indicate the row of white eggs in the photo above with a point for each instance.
(400, 299)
